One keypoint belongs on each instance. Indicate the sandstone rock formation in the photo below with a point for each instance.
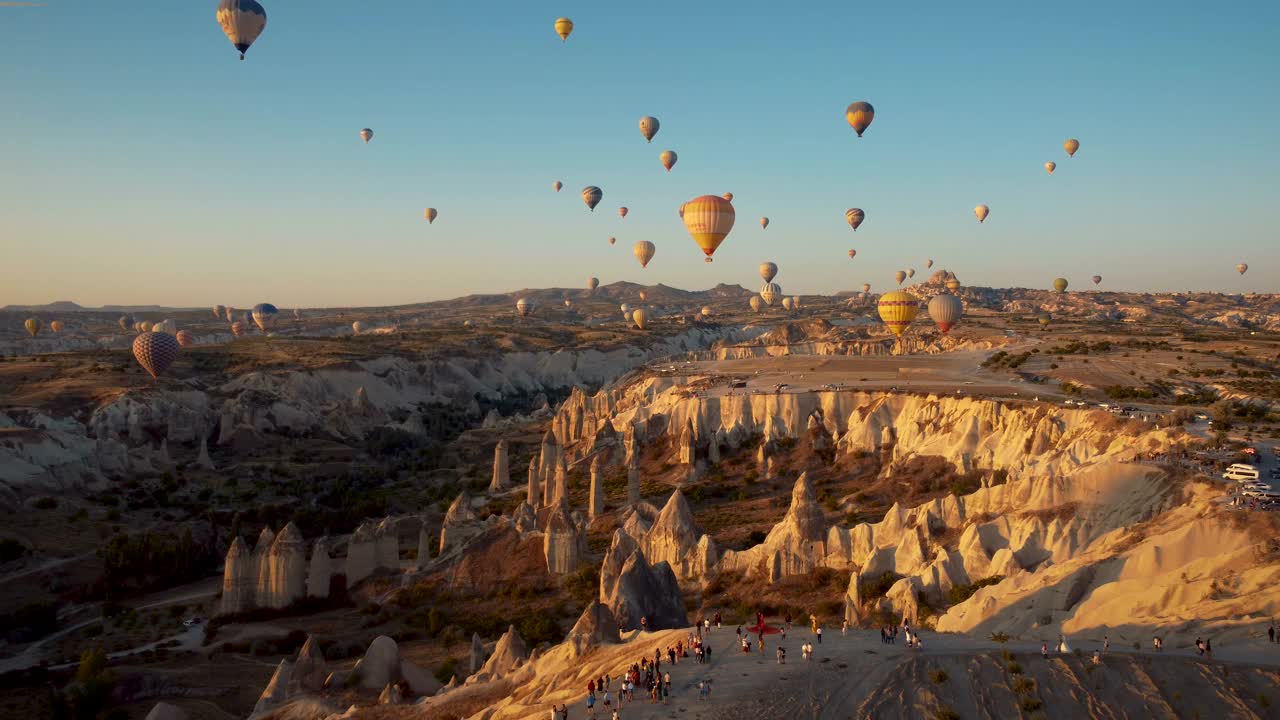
(648, 592)
(563, 542)
(459, 522)
(165, 711)
(676, 540)
(595, 503)
(320, 571)
(509, 653)
(262, 566)
(534, 492)
(239, 577)
(277, 690)
(388, 545)
(501, 473)
(477, 653)
(595, 627)
(286, 570)
(382, 666)
(309, 670)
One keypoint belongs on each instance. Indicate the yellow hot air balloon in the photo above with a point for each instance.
(709, 220)
(953, 284)
(430, 214)
(622, 211)
(33, 326)
(982, 211)
(1060, 284)
(768, 271)
(591, 195)
(728, 196)
(640, 317)
(706, 311)
(854, 216)
(668, 159)
(557, 185)
(764, 223)
(900, 276)
(243, 21)
(649, 127)
(897, 310)
(643, 250)
(1242, 268)
(564, 26)
(56, 326)
(859, 115)
(1071, 146)
(754, 302)
(1044, 318)
(1049, 167)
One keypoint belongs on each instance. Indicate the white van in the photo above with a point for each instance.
(1240, 471)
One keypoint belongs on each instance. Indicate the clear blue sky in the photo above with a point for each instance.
(141, 162)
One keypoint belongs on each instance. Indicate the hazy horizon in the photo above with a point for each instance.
(148, 166)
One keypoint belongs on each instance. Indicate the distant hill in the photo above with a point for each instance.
(67, 306)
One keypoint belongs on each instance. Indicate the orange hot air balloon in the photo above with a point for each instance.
(56, 326)
(1071, 146)
(854, 216)
(859, 116)
(430, 214)
(852, 253)
(708, 219)
(897, 310)
(643, 296)
(622, 211)
(668, 159)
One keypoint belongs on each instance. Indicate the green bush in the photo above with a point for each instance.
(959, 593)
(447, 670)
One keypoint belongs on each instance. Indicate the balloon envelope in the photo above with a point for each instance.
(852, 253)
(357, 327)
(593, 283)
(982, 211)
(56, 326)
(1060, 284)
(430, 214)
(185, 338)
(1097, 279)
(643, 250)
(900, 276)
(591, 195)
(859, 116)
(649, 127)
(155, 351)
(764, 223)
(706, 311)
(33, 326)
(525, 307)
(557, 185)
(708, 219)
(755, 303)
(1242, 268)
(243, 21)
(264, 314)
(897, 309)
(1071, 146)
(1049, 167)
(768, 271)
(640, 317)
(668, 159)
(564, 26)
(771, 292)
(928, 263)
(367, 135)
(854, 216)
(238, 328)
(622, 211)
(786, 303)
(946, 311)
(953, 284)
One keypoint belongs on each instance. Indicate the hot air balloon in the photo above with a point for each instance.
(854, 216)
(1060, 284)
(357, 328)
(953, 284)
(525, 307)
(219, 311)
(928, 263)
(1242, 268)
(155, 351)
(640, 317)
(897, 310)
(668, 159)
(33, 326)
(1071, 146)
(643, 296)
(681, 210)
(709, 220)
(643, 250)
(982, 211)
(593, 283)
(1049, 167)
(297, 314)
(613, 240)
(243, 21)
(764, 223)
(649, 127)
(1044, 318)
(125, 322)
(795, 302)
(568, 302)
(144, 326)
(625, 308)
(770, 292)
(911, 272)
(264, 314)
(557, 185)
(564, 26)
(165, 326)
(367, 134)
(852, 253)
(622, 211)
(185, 338)
(706, 311)
(866, 287)
(946, 311)
(591, 195)
(1097, 279)
(728, 196)
(786, 303)
(900, 276)
(768, 271)
(231, 314)
(430, 214)
(248, 318)
(859, 115)
(755, 303)
(238, 328)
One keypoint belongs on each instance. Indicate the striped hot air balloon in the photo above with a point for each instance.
(859, 116)
(564, 27)
(668, 159)
(32, 326)
(708, 219)
(649, 127)
(945, 310)
(591, 195)
(897, 309)
(771, 292)
(854, 216)
(243, 21)
(155, 351)
(643, 250)
(264, 315)
(238, 328)
(185, 338)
